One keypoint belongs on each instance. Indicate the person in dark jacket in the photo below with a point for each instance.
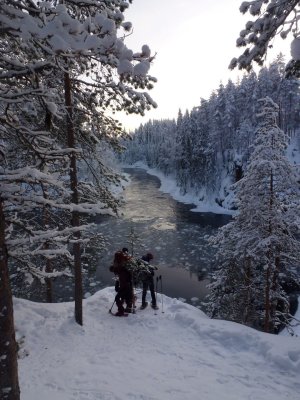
(124, 293)
(148, 283)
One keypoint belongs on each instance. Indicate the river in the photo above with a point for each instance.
(163, 226)
(175, 235)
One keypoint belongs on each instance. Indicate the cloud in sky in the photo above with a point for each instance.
(195, 42)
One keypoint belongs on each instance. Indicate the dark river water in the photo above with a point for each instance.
(175, 235)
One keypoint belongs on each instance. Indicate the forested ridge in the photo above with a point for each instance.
(208, 148)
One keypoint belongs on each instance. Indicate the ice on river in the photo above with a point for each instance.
(168, 229)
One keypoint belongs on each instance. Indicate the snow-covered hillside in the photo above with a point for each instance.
(205, 203)
(178, 354)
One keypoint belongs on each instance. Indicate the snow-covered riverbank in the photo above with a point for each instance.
(168, 185)
(202, 202)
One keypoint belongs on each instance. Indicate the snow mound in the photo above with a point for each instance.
(176, 353)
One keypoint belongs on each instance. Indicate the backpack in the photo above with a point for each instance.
(120, 259)
(140, 270)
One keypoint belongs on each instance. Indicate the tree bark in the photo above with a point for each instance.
(49, 286)
(267, 301)
(9, 381)
(49, 269)
(75, 199)
(268, 319)
(247, 309)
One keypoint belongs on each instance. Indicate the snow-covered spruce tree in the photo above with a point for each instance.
(183, 151)
(32, 213)
(202, 158)
(153, 144)
(18, 172)
(258, 248)
(272, 17)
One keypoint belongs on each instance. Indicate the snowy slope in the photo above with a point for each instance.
(176, 355)
(202, 202)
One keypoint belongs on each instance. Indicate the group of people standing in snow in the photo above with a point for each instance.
(125, 297)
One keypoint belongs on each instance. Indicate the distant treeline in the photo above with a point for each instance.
(207, 149)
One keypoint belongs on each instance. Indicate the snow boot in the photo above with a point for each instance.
(143, 306)
(120, 314)
(154, 306)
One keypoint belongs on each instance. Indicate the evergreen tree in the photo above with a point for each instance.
(183, 150)
(258, 248)
(271, 17)
(203, 167)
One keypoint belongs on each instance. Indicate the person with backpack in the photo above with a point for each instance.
(124, 289)
(148, 283)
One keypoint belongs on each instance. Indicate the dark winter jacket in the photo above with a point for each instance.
(148, 277)
(119, 269)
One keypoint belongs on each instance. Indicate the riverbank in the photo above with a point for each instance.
(204, 203)
(168, 185)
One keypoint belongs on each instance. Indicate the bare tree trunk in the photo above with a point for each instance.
(9, 382)
(75, 200)
(247, 309)
(274, 288)
(49, 269)
(49, 290)
(267, 302)
(268, 318)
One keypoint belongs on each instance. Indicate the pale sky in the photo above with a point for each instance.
(195, 42)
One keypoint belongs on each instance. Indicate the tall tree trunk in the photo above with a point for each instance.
(9, 382)
(247, 309)
(75, 200)
(275, 288)
(49, 286)
(49, 269)
(267, 301)
(268, 319)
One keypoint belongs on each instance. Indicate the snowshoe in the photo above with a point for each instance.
(120, 314)
(143, 306)
(154, 306)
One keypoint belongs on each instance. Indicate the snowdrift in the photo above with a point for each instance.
(177, 354)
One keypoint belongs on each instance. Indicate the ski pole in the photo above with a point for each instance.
(161, 293)
(157, 289)
(112, 306)
(133, 297)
